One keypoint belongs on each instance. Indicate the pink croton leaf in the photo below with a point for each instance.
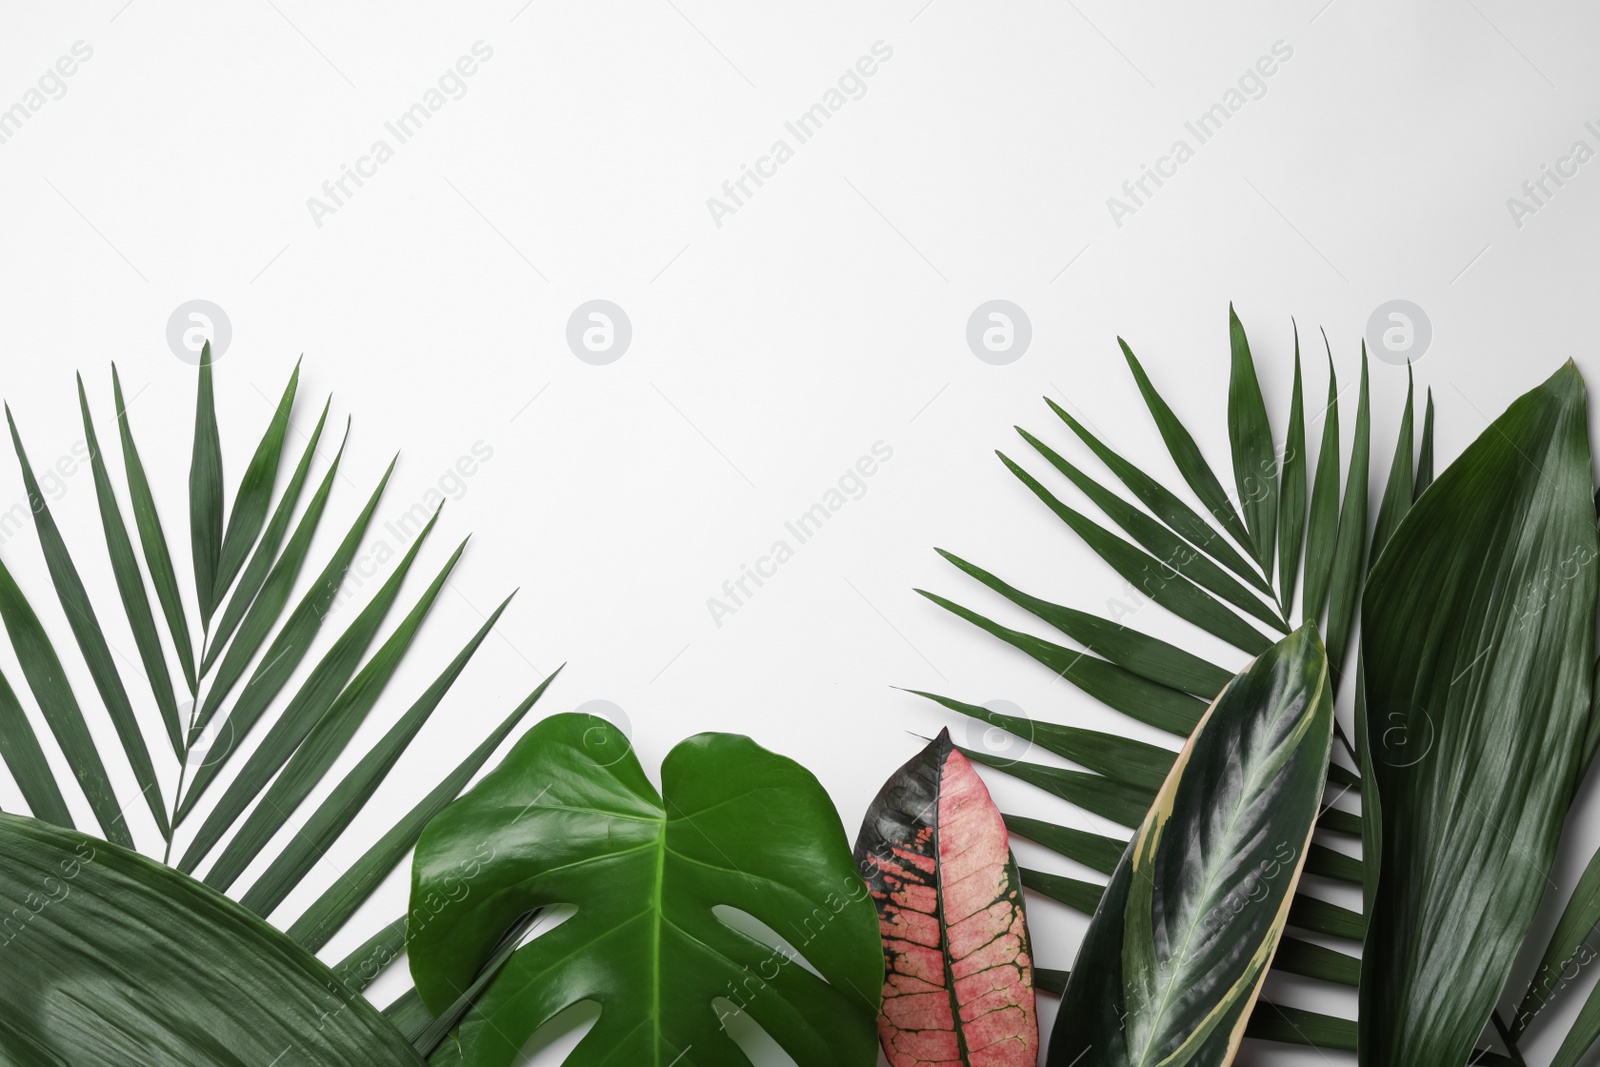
(958, 991)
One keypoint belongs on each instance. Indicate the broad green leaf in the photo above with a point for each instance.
(305, 749)
(1350, 549)
(315, 695)
(570, 817)
(1292, 490)
(1166, 505)
(1425, 456)
(1322, 529)
(934, 852)
(1175, 955)
(312, 840)
(1159, 541)
(113, 959)
(1478, 641)
(1161, 707)
(329, 912)
(154, 542)
(250, 504)
(266, 553)
(1255, 460)
(1148, 657)
(48, 681)
(91, 641)
(130, 583)
(1399, 492)
(19, 746)
(1186, 455)
(1148, 576)
(205, 490)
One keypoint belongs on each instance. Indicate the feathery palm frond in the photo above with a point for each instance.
(245, 569)
(1231, 567)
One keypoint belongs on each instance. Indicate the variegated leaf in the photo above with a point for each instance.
(959, 985)
(1176, 953)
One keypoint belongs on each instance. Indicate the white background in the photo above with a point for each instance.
(769, 353)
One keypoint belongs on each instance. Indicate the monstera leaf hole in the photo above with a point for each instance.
(755, 929)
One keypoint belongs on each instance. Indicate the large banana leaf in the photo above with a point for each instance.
(1478, 642)
(110, 958)
(933, 849)
(1181, 942)
(570, 817)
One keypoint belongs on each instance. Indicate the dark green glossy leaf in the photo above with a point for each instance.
(1478, 642)
(91, 642)
(1148, 576)
(130, 584)
(1199, 901)
(333, 908)
(254, 497)
(114, 959)
(571, 817)
(1186, 456)
(1255, 460)
(312, 840)
(157, 557)
(205, 490)
(1292, 490)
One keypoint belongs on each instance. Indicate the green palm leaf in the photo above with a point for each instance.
(205, 491)
(1255, 460)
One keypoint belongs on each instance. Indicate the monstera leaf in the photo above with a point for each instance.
(110, 958)
(658, 880)
(1176, 953)
(933, 848)
(1478, 646)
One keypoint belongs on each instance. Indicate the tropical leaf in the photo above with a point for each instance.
(254, 497)
(1134, 674)
(205, 490)
(1255, 461)
(1177, 951)
(112, 958)
(158, 558)
(570, 817)
(959, 986)
(1477, 647)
